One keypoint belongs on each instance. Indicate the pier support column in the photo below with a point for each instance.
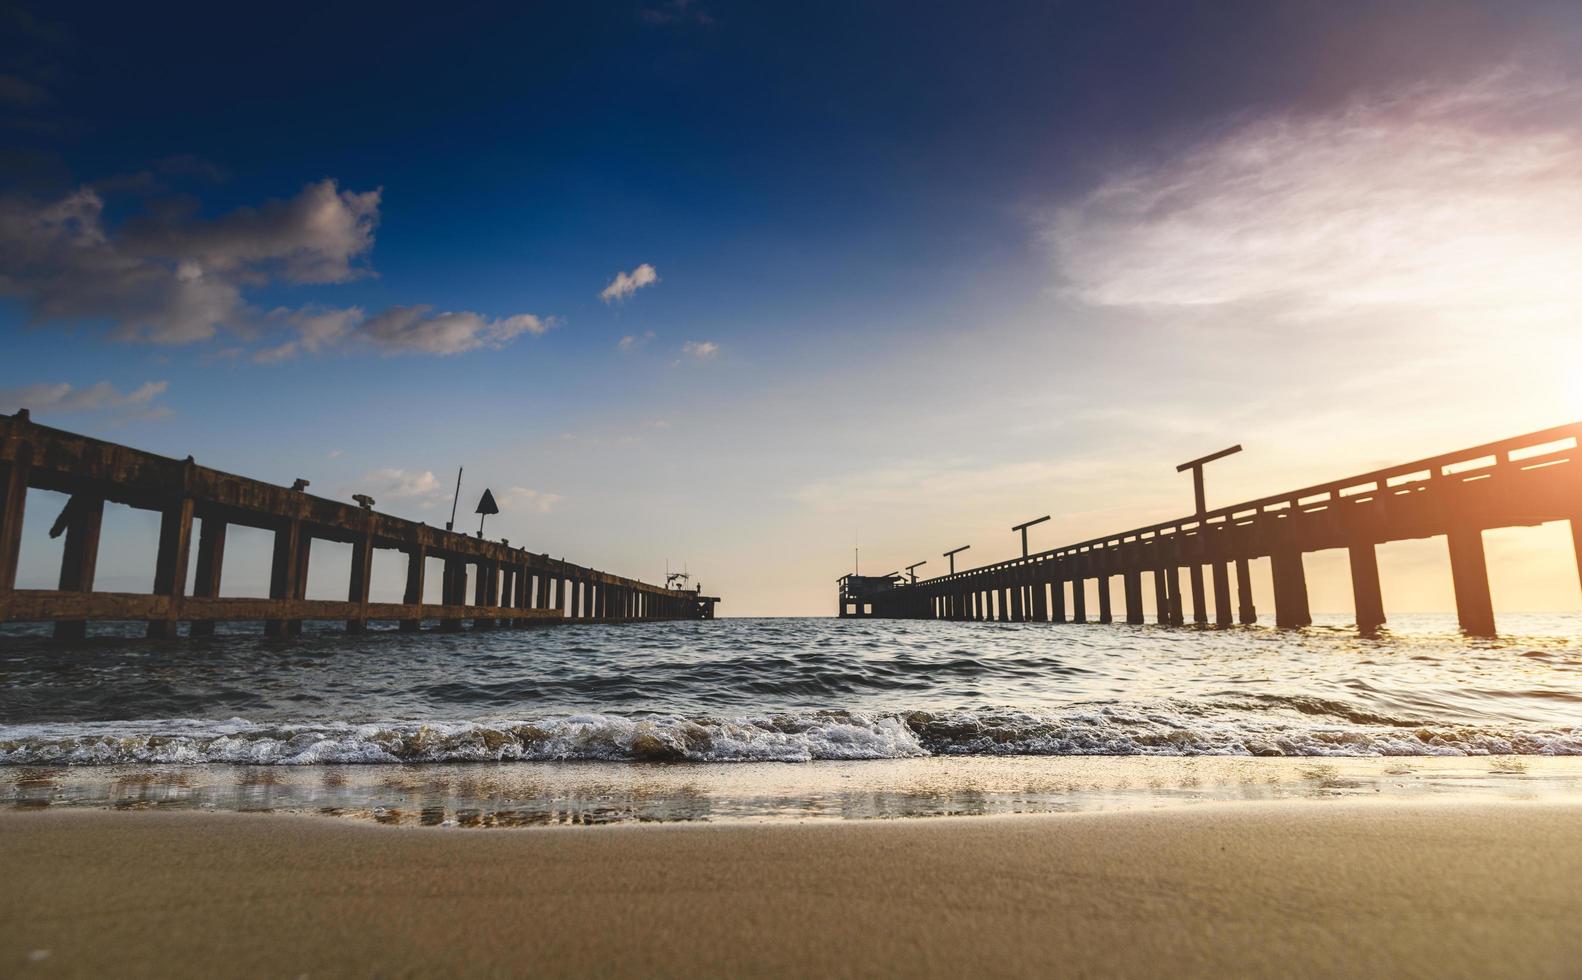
(1004, 600)
(358, 581)
(283, 570)
(1057, 600)
(413, 596)
(1018, 606)
(206, 577)
(485, 592)
(1132, 582)
(1246, 612)
(1470, 575)
(1040, 601)
(170, 563)
(1173, 594)
(1576, 543)
(1079, 600)
(13, 503)
(1161, 597)
(83, 517)
(1105, 615)
(1290, 589)
(1365, 592)
(1199, 600)
(453, 591)
(1223, 614)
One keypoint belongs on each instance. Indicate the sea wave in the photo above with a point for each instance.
(785, 737)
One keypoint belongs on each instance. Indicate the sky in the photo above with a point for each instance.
(742, 287)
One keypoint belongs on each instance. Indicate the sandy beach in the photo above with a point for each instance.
(1306, 888)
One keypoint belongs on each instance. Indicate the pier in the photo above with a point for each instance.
(510, 586)
(1518, 482)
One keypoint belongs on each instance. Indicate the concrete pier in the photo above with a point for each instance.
(92, 472)
(1519, 482)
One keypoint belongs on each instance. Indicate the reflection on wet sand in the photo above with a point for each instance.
(539, 794)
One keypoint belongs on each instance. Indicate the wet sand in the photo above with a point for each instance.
(1322, 888)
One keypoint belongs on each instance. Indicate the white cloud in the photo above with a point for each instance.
(135, 405)
(419, 329)
(399, 484)
(632, 341)
(700, 348)
(335, 454)
(1459, 202)
(529, 499)
(626, 283)
(175, 280)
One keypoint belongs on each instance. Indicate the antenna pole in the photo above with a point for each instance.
(450, 525)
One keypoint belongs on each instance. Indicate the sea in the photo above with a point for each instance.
(785, 718)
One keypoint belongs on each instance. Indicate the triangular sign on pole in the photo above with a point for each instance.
(486, 504)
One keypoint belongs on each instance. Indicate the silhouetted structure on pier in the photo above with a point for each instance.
(511, 586)
(1524, 481)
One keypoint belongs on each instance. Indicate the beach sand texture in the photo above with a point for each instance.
(1284, 889)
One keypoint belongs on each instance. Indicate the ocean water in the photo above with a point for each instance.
(596, 713)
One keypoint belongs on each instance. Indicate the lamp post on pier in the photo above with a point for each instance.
(952, 556)
(1221, 573)
(1023, 528)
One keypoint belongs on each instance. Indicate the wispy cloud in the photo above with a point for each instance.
(419, 329)
(525, 498)
(1461, 201)
(626, 283)
(180, 280)
(176, 280)
(62, 398)
(400, 484)
(701, 349)
(633, 341)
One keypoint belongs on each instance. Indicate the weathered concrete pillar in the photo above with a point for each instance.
(283, 570)
(1199, 600)
(1040, 600)
(1161, 597)
(1132, 582)
(413, 595)
(544, 599)
(83, 517)
(484, 591)
(1290, 588)
(170, 563)
(13, 504)
(1246, 612)
(1365, 592)
(453, 591)
(1105, 616)
(206, 577)
(1576, 542)
(1057, 599)
(1173, 595)
(1223, 614)
(359, 580)
(1079, 598)
(1470, 575)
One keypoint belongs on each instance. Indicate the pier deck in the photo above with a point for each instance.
(1518, 482)
(510, 586)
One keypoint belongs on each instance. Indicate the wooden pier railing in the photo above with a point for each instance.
(511, 586)
(1523, 481)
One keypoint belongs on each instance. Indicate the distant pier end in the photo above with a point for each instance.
(510, 586)
(1518, 482)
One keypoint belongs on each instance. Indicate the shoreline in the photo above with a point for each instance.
(515, 794)
(1445, 887)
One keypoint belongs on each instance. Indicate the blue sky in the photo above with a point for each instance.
(918, 270)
